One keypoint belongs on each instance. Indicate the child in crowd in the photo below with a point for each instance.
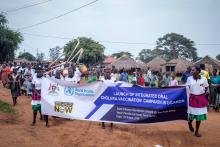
(173, 81)
(140, 80)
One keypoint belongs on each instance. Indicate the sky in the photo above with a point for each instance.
(133, 21)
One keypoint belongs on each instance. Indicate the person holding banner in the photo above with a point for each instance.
(36, 96)
(198, 90)
(108, 80)
(70, 75)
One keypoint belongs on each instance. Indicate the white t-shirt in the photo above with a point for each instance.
(114, 77)
(108, 82)
(197, 87)
(149, 73)
(37, 82)
(21, 69)
(12, 68)
(77, 75)
(31, 71)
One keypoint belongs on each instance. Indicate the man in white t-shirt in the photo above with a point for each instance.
(107, 80)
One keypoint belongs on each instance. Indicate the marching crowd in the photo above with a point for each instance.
(25, 79)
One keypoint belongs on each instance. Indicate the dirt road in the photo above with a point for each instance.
(16, 131)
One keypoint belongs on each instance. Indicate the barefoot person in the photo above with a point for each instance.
(36, 96)
(198, 102)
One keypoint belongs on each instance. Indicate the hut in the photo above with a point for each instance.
(178, 65)
(124, 62)
(210, 63)
(141, 64)
(155, 64)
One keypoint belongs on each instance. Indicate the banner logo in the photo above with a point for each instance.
(69, 91)
(63, 107)
(53, 90)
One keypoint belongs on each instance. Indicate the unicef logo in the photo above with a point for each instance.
(69, 91)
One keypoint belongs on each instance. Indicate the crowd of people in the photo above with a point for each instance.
(25, 79)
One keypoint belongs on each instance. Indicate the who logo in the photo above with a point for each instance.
(69, 91)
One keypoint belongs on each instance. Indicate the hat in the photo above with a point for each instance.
(39, 67)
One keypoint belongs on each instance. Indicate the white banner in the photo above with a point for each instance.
(115, 102)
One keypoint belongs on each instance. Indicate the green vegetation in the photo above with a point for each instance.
(5, 107)
(93, 50)
(9, 40)
(27, 56)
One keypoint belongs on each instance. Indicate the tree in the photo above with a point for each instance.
(3, 21)
(174, 46)
(119, 54)
(9, 40)
(218, 57)
(93, 51)
(54, 53)
(40, 56)
(147, 54)
(27, 56)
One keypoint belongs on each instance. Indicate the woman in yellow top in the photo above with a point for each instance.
(203, 72)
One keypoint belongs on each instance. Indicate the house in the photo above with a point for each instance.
(124, 62)
(155, 64)
(178, 65)
(210, 63)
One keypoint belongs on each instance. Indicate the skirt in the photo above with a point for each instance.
(15, 90)
(15, 93)
(198, 101)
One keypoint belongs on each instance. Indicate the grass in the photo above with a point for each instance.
(5, 107)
